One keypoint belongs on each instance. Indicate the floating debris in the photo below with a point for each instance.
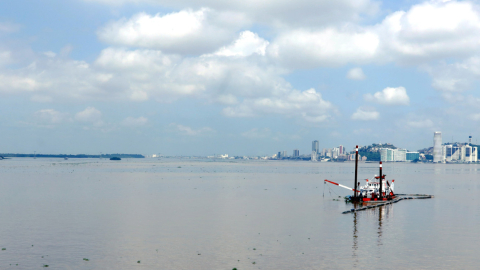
(401, 197)
(85, 259)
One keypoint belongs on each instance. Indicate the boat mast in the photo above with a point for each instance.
(380, 181)
(356, 166)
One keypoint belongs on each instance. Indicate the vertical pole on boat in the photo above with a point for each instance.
(356, 166)
(380, 180)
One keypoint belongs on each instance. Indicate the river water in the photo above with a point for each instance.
(199, 214)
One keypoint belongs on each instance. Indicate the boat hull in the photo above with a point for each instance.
(359, 200)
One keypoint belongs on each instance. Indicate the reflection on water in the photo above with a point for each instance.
(355, 238)
(176, 214)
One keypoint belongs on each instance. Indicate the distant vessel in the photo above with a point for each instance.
(66, 158)
(115, 158)
(372, 191)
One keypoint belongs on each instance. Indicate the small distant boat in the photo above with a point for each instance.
(115, 158)
(66, 158)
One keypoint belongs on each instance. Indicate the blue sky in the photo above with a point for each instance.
(238, 77)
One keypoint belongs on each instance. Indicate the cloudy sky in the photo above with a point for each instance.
(198, 77)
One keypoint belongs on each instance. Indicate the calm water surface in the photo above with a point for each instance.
(177, 214)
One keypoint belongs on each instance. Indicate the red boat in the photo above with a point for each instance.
(375, 189)
(370, 192)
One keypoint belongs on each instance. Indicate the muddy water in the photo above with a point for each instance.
(194, 214)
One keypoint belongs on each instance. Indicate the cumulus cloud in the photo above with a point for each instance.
(184, 32)
(90, 115)
(365, 114)
(432, 30)
(185, 130)
(307, 105)
(328, 47)
(135, 122)
(51, 116)
(14, 83)
(390, 96)
(247, 43)
(356, 74)
(279, 13)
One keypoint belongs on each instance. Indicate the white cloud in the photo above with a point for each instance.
(390, 96)
(257, 133)
(365, 114)
(307, 105)
(278, 13)
(185, 130)
(90, 115)
(247, 43)
(51, 116)
(184, 32)
(327, 47)
(134, 122)
(356, 74)
(432, 30)
(15, 84)
(50, 54)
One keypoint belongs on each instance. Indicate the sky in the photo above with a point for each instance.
(236, 77)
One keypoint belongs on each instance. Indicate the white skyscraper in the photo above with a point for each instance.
(437, 146)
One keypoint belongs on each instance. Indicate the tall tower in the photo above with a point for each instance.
(469, 139)
(437, 146)
(315, 146)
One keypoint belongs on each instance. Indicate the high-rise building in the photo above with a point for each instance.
(447, 152)
(284, 154)
(387, 154)
(335, 152)
(296, 153)
(412, 156)
(456, 153)
(437, 146)
(340, 150)
(314, 156)
(315, 146)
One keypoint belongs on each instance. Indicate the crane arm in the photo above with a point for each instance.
(340, 185)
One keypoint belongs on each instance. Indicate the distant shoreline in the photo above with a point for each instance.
(9, 155)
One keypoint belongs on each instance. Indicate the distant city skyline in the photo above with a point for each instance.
(208, 77)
